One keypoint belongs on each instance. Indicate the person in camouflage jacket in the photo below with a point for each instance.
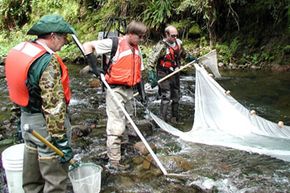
(165, 58)
(44, 106)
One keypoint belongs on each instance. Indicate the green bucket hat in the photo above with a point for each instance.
(51, 23)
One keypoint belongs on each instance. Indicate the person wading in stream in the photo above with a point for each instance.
(166, 57)
(38, 81)
(122, 75)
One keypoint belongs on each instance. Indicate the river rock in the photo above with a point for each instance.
(145, 126)
(177, 163)
(142, 148)
(80, 131)
(94, 83)
(85, 70)
(147, 162)
(280, 68)
(4, 109)
(2, 74)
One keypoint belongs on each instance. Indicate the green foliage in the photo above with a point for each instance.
(192, 17)
(158, 12)
(14, 13)
(187, 27)
(275, 8)
(288, 16)
(67, 8)
(10, 39)
(257, 58)
(286, 49)
(195, 29)
(226, 52)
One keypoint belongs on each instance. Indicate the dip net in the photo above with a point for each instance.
(221, 120)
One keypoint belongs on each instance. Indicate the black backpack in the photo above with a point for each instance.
(118, 23)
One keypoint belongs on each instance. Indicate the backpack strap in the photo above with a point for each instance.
(115, 42)
(114, 47)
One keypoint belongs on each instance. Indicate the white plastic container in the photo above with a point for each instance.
(12, 159)
(86, 178)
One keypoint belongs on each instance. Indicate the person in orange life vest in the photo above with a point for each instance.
(166, 57)
(38, 82)
(123, 74)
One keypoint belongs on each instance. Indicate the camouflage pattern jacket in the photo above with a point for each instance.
(160, 50)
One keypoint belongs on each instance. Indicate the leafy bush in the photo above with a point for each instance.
(157, 12)
(14, 13)
(226, 52)
(286, 49)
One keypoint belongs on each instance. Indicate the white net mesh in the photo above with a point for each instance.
(210, 60)
(220, 120)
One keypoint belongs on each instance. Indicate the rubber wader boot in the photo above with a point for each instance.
(174, 113)
(115, 166)
(163, 110)
(32, 179)
(55, 174)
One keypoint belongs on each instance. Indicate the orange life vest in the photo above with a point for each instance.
(17, 64)
(170, 59)
(126, 69)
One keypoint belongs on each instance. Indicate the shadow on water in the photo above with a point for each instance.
(209, 168)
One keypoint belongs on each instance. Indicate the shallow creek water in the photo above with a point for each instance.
(208, 168)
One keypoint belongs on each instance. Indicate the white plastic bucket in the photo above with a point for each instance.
(86, 178)
(12, 159)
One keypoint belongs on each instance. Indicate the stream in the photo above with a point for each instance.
(209, 169)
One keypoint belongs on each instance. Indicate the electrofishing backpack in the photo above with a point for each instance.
(118, 24)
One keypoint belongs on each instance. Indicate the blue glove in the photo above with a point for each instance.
(64, 146)
(152, 78)
(75, 165)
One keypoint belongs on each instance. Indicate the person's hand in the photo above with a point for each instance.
(152, 78)
(74, 165)
(144, 100)
(98, 71)
(92, 61)
(190, 58)
(142, 94)
(63, 145)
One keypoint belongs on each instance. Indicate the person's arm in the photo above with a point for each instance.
(54, 108)
(96, 47)
(185, 55)
(53, 101)
(158, 50)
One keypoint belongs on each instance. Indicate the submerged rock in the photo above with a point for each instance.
(140, 146)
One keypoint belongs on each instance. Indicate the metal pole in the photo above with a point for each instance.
(78, 44)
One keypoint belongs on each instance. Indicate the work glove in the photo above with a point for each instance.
(142, 94)
(92, 61)
(63, 145)
(152, 78)
(74, 165)
(190, 58)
